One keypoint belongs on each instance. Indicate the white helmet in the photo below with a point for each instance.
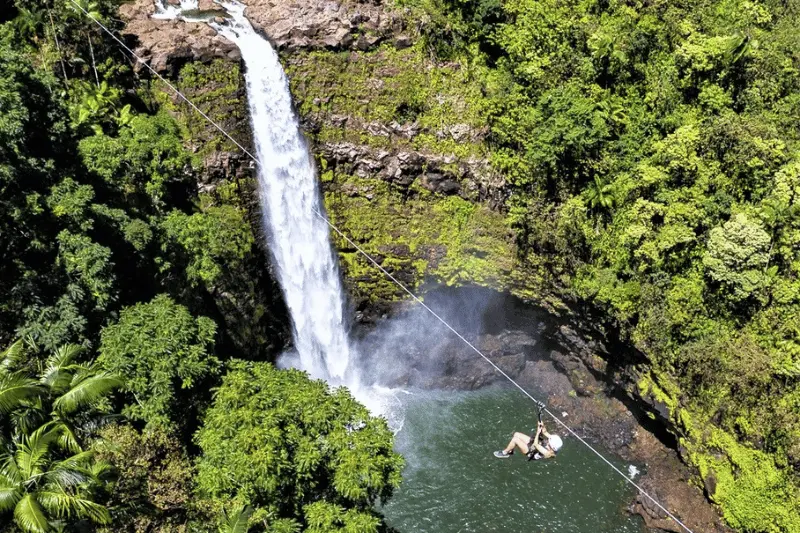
(555, 442)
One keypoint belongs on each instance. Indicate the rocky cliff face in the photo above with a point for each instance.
(300, 25)
(406, 170)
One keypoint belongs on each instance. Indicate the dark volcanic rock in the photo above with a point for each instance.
(301, 24)
(442, 174)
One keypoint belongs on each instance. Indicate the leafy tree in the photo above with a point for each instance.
(160, 348)
(294, 450)
(737, 256)
(146, 161)
(209, 242)
(151, 489)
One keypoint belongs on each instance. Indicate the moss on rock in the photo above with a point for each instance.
(420, 236)
(747, 484)
(217, 89)
(349, 93)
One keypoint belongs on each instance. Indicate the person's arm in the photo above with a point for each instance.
(544, 431)
(544, 452)
(535, 437)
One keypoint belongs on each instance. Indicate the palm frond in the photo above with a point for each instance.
(10, 470)
(12, 356)
(72, 471)
(67, 439)
(65, 505)
(87, 392)
(60, 367)
(78, 461)
(64, 356)
(9, 497)
(237, 521)
(14, 390)
(29, 515)
(67, 477)
(101, 470)
(31, 453)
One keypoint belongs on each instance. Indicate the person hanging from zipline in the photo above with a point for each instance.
(531, 445)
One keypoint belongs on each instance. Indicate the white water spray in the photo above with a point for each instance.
(170, 12)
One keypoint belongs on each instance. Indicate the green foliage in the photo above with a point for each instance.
(96, 176)
(295, 450)
(737, 256)
(649, 151)
(237, 521)
(749, 487)
(47, 480)
(89, 263)
(212, 241)
(160, 349)
(143, 161)
(152, 486)
(61, 393)
(46, 493)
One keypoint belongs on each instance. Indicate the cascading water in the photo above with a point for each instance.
(292, 217)
(299, 239)
(169, 12)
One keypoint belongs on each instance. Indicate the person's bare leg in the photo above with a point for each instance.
(520, 440)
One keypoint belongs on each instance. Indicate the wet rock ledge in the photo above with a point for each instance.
(301, 24)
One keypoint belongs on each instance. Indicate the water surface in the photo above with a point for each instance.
(453, 483)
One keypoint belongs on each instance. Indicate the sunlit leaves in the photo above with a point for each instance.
(737, 256)
(160, 348)
(278, 441)
(209, 242)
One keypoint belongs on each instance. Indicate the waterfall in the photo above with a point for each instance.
(292, 216)
(298, 236)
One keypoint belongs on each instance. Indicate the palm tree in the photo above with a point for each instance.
(28, 22)
(43, 491)
(65, 393)
(600, 193)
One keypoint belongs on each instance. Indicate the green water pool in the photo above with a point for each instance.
(453, 483)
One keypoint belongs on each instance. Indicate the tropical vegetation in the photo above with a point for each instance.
(653, 160)
(650, 154)
(129, 294)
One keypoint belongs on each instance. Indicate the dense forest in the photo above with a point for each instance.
(125, 400)
(653, 152)
(652, 155)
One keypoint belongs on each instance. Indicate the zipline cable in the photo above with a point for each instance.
(391, 277)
